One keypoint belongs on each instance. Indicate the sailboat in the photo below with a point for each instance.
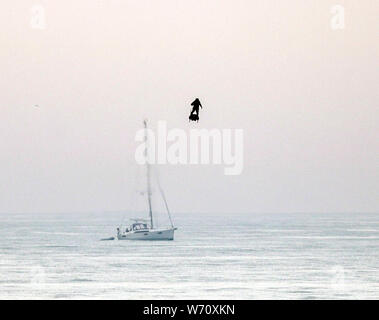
(144, 229)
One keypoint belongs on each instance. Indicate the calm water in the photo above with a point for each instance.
(256, 256)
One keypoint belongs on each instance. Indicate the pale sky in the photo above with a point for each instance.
(305, 95)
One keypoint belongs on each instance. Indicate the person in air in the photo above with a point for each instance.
(194, 116)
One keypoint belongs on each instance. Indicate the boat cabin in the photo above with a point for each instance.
(138, 226)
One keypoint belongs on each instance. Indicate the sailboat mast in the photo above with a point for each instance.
(148, 175)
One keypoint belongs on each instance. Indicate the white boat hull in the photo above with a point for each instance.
(150, 234)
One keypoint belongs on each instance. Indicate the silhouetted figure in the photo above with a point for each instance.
(194, 116)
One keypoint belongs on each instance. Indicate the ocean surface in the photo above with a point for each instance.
(236, 256)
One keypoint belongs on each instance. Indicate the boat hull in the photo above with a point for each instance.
(151, 234)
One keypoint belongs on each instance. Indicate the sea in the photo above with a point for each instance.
(213, 256)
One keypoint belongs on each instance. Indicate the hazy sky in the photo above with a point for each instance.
(305, 95)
